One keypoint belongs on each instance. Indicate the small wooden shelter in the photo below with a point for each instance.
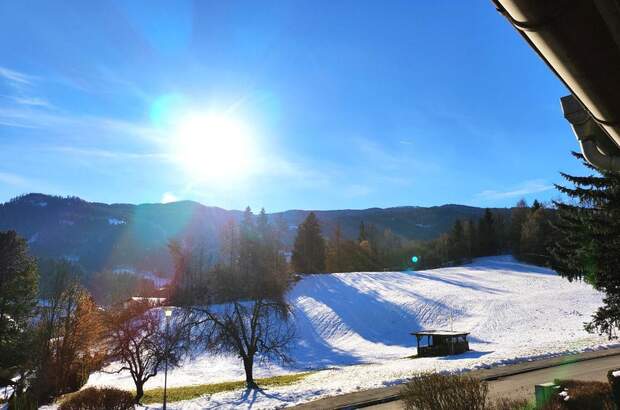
(441, 342)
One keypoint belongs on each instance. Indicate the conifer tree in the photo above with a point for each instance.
(18, 297)
(334, 262)
(473, 241)
(363, 236)
(309, 248)
(588, 240)
(457, 243)
(536, 236)
(487, 234)
(518, 216)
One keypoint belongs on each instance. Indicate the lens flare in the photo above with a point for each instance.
(213, 147)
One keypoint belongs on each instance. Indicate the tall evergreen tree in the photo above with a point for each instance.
(18, 298)
(457, 243)
(309, 248)
(363, 235)
(334, 262)
(588, 241)
(518, 215)
(473, 241)
(487, 234)
(536, 236)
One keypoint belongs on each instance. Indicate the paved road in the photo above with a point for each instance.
(522, 385)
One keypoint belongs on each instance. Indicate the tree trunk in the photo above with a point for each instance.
(248, 365)
(139, 391)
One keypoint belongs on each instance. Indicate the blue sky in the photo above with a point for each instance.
(332, 104)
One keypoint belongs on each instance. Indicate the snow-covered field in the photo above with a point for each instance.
(355, 328)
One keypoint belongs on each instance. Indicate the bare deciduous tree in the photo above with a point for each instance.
(138, 341)
(244, 311)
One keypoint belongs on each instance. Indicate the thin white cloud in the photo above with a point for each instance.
(523, 189)
(357, 190)
(13, 179)
(108, 154)
(16, 77)
(32, 101)
(76, 125)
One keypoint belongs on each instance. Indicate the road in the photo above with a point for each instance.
(522, 385)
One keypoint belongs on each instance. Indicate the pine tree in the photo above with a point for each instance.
(457, 243)
(473, 241)
(536, 236)
(18, 298)
(309, 248)
(518, 216)
(362, 236)
(334, 260)
(487, 234)
(588, 241)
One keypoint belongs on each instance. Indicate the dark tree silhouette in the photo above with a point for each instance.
(309, 248)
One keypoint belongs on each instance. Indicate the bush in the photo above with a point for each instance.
(25, 401)
(510, 404)
(582, 396)
(614, 382)
(432, 391)
(94, 398)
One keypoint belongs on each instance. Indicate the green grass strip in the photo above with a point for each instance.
(192, 392)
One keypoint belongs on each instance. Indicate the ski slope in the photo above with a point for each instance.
(355, 328)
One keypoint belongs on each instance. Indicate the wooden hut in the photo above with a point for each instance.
(441, 342)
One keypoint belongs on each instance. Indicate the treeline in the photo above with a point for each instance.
(106, 287)
(527, 234)
(55, 333)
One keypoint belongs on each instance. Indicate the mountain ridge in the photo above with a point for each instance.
(107, 236)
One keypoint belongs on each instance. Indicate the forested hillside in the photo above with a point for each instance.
(112, 236)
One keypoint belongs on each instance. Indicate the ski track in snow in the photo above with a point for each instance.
(355, 328)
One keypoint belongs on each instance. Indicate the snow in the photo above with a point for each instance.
(114, 221)
(355, 328)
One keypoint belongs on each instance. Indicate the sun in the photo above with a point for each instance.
(213, 147)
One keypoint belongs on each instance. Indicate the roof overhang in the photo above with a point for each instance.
(580, 41)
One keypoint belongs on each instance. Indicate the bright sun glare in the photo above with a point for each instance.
(213, 147)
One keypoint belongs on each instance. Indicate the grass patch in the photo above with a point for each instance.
(192, 392)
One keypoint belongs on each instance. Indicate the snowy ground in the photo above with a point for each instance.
(356, 328)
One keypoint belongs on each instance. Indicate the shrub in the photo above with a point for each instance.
(25, 401)
(614, 382)
(94, 398)
(510, 404)
(582, 396)
(431, 391)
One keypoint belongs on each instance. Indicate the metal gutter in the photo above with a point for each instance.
(580, 42)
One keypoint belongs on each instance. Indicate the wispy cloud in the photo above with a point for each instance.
(13, 179)
(77, 125)
(357, 190)
(525, 188)
(109, 154)
(16, 77)
(32, 101)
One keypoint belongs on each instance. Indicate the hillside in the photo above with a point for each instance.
(109, 236)
(356, 328)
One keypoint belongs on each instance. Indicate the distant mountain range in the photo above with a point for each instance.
(135, 237)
